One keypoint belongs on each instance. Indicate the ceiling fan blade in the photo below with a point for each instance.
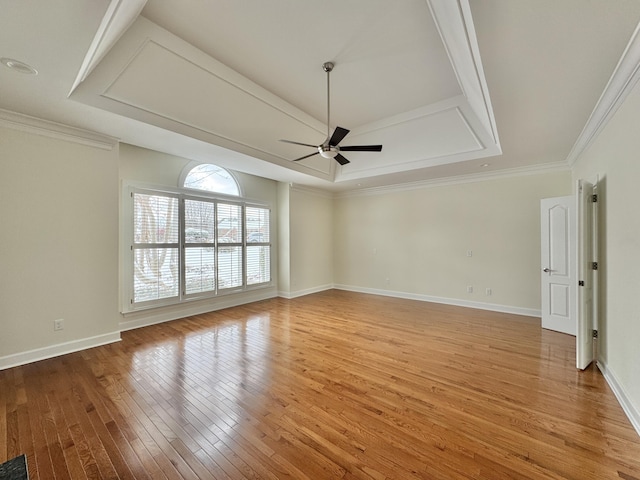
(338, 134)
(306, 156)
(298, 143)
(341, 160)
(362, 148)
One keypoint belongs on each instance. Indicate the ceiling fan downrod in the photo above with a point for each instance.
(327, 67)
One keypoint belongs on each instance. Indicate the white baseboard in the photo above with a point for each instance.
(44, 353)
(152, 317)
(625, 402)
(302, 293)
(144, 318)
(529, 312)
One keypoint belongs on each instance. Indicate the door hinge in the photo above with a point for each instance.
(581, 283)
(594, 333)
(594, 266)
(594, 198)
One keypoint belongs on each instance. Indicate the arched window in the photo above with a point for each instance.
(211, 178)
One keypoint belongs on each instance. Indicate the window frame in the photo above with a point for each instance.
(193, 164)
(127, 238)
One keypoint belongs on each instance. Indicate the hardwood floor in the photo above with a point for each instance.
(327, 386)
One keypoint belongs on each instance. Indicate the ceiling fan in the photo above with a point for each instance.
(330, 148)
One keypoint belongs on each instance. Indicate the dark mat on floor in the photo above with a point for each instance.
(14, 469)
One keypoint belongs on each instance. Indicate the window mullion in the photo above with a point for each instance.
(181, 241)
(244, 246)
(216, 251)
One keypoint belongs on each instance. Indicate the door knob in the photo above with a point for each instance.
(547, 270)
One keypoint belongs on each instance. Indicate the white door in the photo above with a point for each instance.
(587, 276)
(559, 281)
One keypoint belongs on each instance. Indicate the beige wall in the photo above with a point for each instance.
(58, 245)
(415, 242)
(306, 240)
(311, 216)
(284, 236)
(156, 168)
(614, 157)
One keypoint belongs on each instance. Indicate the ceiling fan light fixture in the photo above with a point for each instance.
(327, 152)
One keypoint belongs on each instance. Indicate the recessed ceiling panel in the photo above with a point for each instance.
(160, 81)
(389, 56)
(420, 139)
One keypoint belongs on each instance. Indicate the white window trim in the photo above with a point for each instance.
(126, 238)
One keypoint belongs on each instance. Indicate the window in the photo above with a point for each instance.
(258, 247)
(187, 246)
(155, 247)
(211, 178)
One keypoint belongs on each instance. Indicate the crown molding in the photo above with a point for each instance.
(624, 78)
(38, 126)
(455, 25)
(461, 179)
(310, 190)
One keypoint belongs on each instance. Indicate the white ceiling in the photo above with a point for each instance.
(446, 86)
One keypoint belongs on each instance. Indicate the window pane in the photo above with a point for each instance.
(211, 178)
(258, 264)
(156, 274)
(229, 267)
(199, 222)
(229, 223)
(155, 219)
(200, 273)
(257, 225)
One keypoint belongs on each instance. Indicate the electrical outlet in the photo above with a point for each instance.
(487, 292)
(58, 325)
(469, 289)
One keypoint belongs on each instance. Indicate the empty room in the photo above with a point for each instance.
(316, 240)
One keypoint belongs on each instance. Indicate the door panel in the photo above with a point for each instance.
(587, 214)
(558, 272)
(559, 303)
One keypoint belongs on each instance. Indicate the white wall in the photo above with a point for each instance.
(58, 245)
(148, 167)
(615, 157)
(414, 242)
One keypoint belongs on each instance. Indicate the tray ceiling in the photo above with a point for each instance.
(449, 87)
(410, 79)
